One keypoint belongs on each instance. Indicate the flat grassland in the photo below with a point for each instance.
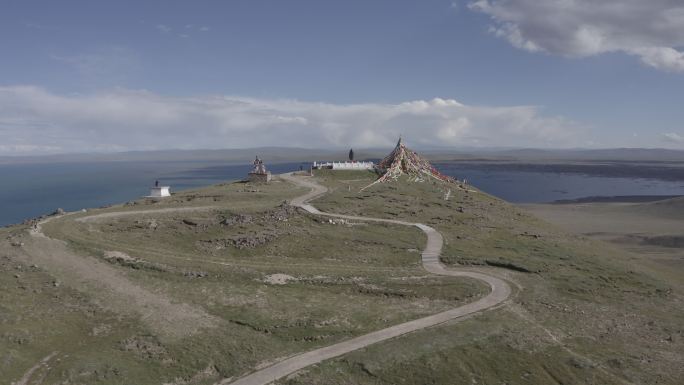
(653, 232)
(213, 283)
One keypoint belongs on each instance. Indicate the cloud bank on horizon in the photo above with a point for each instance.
(651, 30)
(34, 120)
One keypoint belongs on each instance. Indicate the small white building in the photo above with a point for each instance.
(347, 165)
(158, 191)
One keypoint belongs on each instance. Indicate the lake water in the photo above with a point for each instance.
(533, 186)
(28, 191)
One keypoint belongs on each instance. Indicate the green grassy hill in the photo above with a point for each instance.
(668, 208)
(241, 279)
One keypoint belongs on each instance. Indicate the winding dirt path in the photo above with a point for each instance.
(41, 365)
(500, 291)
(118, 214)
(112, 289)
(159, 311)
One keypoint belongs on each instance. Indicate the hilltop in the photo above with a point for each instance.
(212, 284)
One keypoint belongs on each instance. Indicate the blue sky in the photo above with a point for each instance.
(118, 75)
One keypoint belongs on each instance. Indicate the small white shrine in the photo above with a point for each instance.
(158, 191)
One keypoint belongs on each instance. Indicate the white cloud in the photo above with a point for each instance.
(163, 28)
(26, 149)
(652, 30)
(184, 31)
(140, 120)
(673, 137)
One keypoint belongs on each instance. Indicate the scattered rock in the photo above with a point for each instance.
(124, 259)
(278, 279)
(151, 224)
(239, 241)
(526, 234)
(196, 274)
(189, 222)
(252, 241)
(59, 211)
(103, 329)
(119, 256)
(144, 346)
(281, 213)
(32, 221)
(239, 219)
(17, 244)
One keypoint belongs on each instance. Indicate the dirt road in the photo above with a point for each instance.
(112, 289)
(500, 291)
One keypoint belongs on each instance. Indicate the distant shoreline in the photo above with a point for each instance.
(670, 172)
(616, 199)
(31, 190)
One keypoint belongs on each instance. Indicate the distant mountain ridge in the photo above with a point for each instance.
(292, 154)
(531, 154)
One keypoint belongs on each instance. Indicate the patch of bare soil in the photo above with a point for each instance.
(268, 233)
(114, 291)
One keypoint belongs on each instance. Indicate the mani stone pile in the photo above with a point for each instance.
(404, 161)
